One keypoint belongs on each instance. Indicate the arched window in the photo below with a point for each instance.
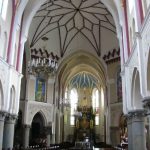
(3, 8)
(95, 104)
(65, 108)
(73, 104)
(102, 97)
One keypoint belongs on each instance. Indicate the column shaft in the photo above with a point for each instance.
(48, 131)
(136, 130)
(8, 137)
(48, 139)
(146, 102)
(26, 136)
(2, 117)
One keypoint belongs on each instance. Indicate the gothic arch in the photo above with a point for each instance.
(38, 125)
(136, 97)
(42, 117)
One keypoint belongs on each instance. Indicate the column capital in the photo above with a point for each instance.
(146, 102)
(10, 118)
(2, 115)
(136, 114)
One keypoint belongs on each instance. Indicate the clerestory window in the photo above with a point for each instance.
(73, 104)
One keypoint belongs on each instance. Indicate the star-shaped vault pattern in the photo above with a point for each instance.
(71, 17)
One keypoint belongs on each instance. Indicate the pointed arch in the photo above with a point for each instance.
(136, 97)
(42, 117)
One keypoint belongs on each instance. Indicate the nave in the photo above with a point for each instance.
(75, 73)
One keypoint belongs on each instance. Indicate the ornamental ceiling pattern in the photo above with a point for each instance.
(73, 17)
(83, 80)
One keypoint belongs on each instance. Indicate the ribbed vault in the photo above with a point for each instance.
(80, 64)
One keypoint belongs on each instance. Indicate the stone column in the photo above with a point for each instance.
(26, 135)
(146, 102)
(57, 129)
(8, 138)
(53, 139)
(136, 130)
(48, 134)
(2, 117)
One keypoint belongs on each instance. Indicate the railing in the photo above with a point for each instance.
(37, 147)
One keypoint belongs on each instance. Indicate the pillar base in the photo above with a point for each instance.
(136, 130)
(2, 118)
(8, 138)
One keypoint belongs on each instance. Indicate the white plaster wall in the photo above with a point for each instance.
(139, 59)
(9, 77)
(30, 88)
(5, 28)
(3, 78)
(32, 107)
(116, 111)
(145, 41)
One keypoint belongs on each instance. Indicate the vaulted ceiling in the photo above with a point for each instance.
(83, 80)
(65, 25)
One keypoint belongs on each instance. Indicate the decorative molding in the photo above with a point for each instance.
(138, 114)
(34, 107)
(2, 115)
(146, 102)
(10, 118)
(112, 56)
(43, 53)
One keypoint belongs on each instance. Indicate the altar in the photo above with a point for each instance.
(84, 124)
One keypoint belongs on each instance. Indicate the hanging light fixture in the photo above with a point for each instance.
(42, 62)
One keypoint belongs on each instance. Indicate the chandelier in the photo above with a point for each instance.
(42, 62)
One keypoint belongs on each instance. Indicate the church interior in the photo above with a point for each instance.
(75, 74)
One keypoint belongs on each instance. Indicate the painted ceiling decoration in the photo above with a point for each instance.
(73, 17)
(83, 80)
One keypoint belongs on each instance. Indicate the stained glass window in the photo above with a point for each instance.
(40, 89)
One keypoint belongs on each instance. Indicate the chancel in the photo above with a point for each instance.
(75, 74)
